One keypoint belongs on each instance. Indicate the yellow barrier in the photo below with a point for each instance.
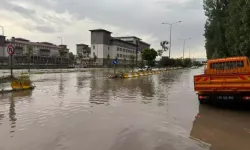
(138, 74)
(21, 84)
(127, 75)
(16, 85)
(142, 74)
(26, 84)
(134, 74)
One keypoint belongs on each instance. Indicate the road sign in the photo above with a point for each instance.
(10, 49)
(115, 62)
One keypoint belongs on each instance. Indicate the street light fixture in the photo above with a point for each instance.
(2, 30)
(184, 44)
(170, 38)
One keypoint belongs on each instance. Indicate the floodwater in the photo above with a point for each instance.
(88, 111)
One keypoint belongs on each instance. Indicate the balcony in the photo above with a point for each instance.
(44, 52)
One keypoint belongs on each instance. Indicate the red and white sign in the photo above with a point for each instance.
(10, 49)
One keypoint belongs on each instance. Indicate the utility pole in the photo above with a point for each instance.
(11, 59)
(170, 36)
(136, 55)
(189, 53)
(2, 30)
(61, 39)
(184, 44)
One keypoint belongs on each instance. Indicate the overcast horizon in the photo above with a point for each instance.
(72, 19)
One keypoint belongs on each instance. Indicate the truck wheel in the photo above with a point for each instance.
(202, 102)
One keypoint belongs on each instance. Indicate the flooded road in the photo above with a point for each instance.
(87, 111)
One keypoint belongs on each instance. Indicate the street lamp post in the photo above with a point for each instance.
(2, 30)
(184, 44)
(170, 38)
(61, 39)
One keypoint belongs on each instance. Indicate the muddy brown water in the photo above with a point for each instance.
(87, 111)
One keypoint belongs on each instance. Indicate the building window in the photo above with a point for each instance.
(93, 46)
(108, 48)
(117, 48)
(118, 55)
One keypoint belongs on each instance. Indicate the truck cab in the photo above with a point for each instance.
(224, 79)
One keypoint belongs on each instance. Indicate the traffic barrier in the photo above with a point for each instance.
(142, 73)
(22, 83)
(127, 75)
(138, 74)
(134, 74)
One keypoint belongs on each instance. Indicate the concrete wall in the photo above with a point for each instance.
(100, 37)
(123, 44)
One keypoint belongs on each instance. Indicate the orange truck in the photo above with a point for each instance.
(224, 79)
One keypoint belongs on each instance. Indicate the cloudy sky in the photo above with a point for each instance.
(45, 20)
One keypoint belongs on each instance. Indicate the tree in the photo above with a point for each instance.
(108, 58)
(227, 28)
(159, 52)
(238, 28)
(164, 45)
(95, 57)
(215, 28)
(71, 57)
(132, 61)
(149, 55)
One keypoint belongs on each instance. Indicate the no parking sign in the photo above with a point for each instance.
(10, 49)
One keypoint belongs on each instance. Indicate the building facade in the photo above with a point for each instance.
(83, 55)
(34, 53)
(83, 50)
(106, 48)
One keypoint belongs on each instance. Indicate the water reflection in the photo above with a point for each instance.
(12, 114)
(226, 127)
(103, 90)
(1, 113)
(13, 98)
(146, 90)
(61, 85)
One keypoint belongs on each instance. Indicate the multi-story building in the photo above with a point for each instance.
(83, 50)
(43, 49)
(40, 53)
(106, 47)
(83, 55)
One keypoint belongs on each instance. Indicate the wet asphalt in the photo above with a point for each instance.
(88, 111)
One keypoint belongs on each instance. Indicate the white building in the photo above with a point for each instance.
(107, 48)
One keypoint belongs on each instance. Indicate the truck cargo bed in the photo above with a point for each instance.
(222, 83)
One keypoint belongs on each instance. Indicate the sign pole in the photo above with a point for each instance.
(115, 61)
(11, 68)
(10, 51)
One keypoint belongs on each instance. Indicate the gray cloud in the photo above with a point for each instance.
(45, 29)
(177, 5)
(23, 11)
(140, 16)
